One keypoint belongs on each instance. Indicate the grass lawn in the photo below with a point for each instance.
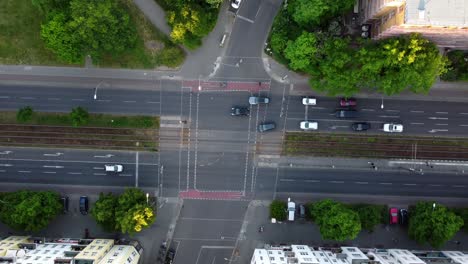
(95, 120)
(20, 41)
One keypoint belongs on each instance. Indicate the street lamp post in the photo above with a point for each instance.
(147, 198)
(382, 105)
(95, 89)
(433, 207)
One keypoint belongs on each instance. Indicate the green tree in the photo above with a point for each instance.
(79, 116)
(24, 114)
(278, 210)
(396, 64)
(89, 27)
(463, 213)
(301, 52)
(433, 225)
(28, 210)
(103, 211)
(335, 221)
(309, 13)
(457, 66)
(336, 70)
(214, 3)
(369, 215)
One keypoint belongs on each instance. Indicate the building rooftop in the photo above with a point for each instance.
(444, 13)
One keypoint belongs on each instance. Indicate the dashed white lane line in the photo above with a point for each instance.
(409, 184)
(54, 99)
(104, 101)
(316, 107)
(24, 171)
(4, 97)
(367, 109)
(458, 186)
(125, 175)
(416, 111)
(417, 123)
(464, 125)
(27, 98)
(336, 181)
(385, 116)
(361, 182)
(442, 113)
(149, 102)
(287, 180)
(74, 173)
(441, 124)
(78, 99)
(463, 113)
(312, 181)
(2, 170)
(129, 101)
(49, 172)
(99, 173)
(436, 185)
(386, 183)
(391, 110)
(98, 168)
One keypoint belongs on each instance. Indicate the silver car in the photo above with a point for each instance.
(255, 100)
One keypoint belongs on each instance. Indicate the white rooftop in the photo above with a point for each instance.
(447, 13)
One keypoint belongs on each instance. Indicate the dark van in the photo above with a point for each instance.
(346, 113)
(64, 201)
(84, 205)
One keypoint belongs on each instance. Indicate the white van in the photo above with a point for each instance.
(291, 210)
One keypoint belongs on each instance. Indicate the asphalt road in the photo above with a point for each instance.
(77, 167)
(385, 183)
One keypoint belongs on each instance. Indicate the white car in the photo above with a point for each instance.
(393, 128)
(291, 209)
(309, 125)
(309, 101)
(114, 168)
(235, 4)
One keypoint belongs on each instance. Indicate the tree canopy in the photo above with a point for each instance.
(87, 27)
(433, 225)
(336, 221)
(301, 51)
(278, 210)
(127, 213)
(309, 13)
(28, 210)
(79, 116)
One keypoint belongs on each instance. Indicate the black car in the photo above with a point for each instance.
(403, 217)
(360, 126)
(346, 113)
(64, 201)
(240, 111)
(170, 256)
(84, 205)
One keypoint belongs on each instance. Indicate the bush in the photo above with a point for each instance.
(172, 56)
(463, 213)
(458, 66)
(369, 215)
(278, 210)
(79, 116)
(24, 114)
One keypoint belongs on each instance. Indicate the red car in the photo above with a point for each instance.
(393, 216)
(348, 102)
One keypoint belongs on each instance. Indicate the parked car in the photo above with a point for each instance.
(114, 168)
(170, 256)
(64, 201)
(346, 102)
(235, 4)
(84, 205)
(393, 216)
(393, 128)
(291, 209)
(346, 113)
(361, 126)
(255, 100)
(301, 211)
(403, 217)
(266, 127)
(309, 101)
(240, 111)
(309, 125)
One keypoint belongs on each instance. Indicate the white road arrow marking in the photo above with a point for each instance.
(54, 155)
(438, 118)
(105, 156)
(437, 130)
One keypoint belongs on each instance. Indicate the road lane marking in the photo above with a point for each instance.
(27, 98)
(367, 109)
(438, 118)
(463, 113)
(74, 173)
(361, 182)
(6, 152)
(129, 101)
(390, 110)
(2, 170)
(316, 107)
(441, 124)
(125, 175)
(77, 99)
(150, 102)
(287, 180)
(409, 184)
(55, 167)
(4, 97)
(312, 181)
(385, 183)
(417, 123)
(105, 156)
(458, 186)
(53, 155)
(49, 172)
(464, 125)
(435, 185)
(437, 130)
(103, 101)
(385, 116)
(5, 165)
(73, 161)
(336, 181)
(25, 171)
(415, 111)
(54, 99)
(98, 168)
(99, 173)
(442, 113)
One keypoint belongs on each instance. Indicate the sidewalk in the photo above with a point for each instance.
(416, 166)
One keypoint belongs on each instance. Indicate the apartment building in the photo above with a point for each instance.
(303, 254)
(445, 22)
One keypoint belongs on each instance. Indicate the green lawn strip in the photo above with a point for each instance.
(298, 143)
(95, 120)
